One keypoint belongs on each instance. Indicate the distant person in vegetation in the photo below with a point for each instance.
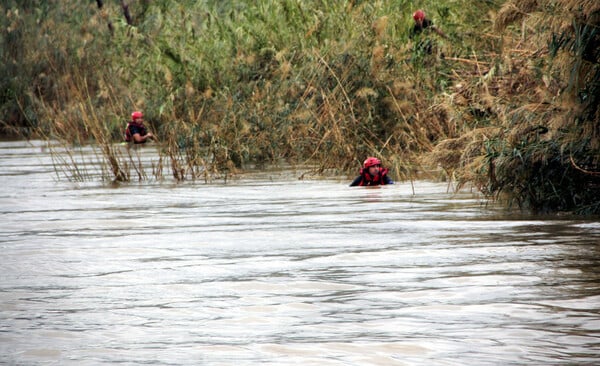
(422, 23)
(136, 132)
(372, 174)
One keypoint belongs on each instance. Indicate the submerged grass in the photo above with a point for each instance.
(508, 101)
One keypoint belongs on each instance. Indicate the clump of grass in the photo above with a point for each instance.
(541, 92)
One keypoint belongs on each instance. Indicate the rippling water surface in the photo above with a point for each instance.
(269, 269)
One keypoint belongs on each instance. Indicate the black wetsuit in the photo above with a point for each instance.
(132, 129)
(416, 29)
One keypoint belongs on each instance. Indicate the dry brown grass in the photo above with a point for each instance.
(532, 93)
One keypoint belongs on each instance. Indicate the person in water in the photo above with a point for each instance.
(372, 174)
(135, 131)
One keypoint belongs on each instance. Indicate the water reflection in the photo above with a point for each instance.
(283, 271)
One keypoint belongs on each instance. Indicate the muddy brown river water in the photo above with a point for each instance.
(271, 270)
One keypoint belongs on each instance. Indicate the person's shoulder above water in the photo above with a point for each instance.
(372, 174)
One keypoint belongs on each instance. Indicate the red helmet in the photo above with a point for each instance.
(419, 15)
(136, 114)
(370, 162)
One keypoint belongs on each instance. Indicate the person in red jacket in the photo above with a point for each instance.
(135, 131)
(372, 174)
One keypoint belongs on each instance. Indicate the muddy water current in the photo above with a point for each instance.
(267, 269)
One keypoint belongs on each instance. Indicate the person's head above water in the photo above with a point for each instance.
(372, 165)
(372, 174)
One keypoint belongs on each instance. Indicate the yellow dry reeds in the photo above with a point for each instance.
(512, 11)
(454, 153)
(587, 7)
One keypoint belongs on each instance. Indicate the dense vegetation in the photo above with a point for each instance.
(508, 101)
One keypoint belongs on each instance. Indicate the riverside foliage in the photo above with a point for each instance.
(507, 102)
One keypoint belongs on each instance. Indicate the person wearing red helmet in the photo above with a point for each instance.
(135, 131)
(422, 23)
(372, 174)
